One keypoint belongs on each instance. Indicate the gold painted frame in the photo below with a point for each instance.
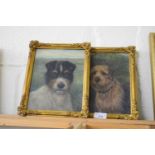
(131, 51)
(152, 58)
(34, 45)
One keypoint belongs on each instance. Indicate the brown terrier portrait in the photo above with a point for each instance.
(109, 94)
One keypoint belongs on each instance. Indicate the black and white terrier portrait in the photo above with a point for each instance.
(55, 94)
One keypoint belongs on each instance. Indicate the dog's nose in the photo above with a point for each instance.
(61, 85)
(97, 79)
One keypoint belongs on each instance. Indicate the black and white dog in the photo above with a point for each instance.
(55, 94)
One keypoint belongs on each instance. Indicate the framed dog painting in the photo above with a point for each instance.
(152, 56)
(113, 83)
(57, 80)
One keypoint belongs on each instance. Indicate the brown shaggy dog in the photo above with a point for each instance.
(109, 92)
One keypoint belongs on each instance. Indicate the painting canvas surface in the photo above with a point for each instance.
(43, 57)
(110, 93)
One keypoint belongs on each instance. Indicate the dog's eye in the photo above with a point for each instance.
(103, 73)
(66, 74)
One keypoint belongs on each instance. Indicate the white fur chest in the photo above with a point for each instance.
(61, 102)
(45, 99)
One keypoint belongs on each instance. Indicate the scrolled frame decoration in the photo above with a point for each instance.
(34, 45)
(131, 51)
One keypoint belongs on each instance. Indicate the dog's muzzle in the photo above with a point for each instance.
(61, 85)
(60, 88)
(97, 79)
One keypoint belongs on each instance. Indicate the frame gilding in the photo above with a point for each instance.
(131, 51)
(34, 45)
(152, 58)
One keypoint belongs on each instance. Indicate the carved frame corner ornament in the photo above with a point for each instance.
(132, 48)
(22, 107)
(34, 44)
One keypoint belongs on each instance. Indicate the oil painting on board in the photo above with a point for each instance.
(112, 82)
(57, 80)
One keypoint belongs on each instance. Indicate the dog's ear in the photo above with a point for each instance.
(73, 67)
(70, 66)
(109, 70)
(50, 64)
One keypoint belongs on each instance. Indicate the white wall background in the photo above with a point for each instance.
(14, 52)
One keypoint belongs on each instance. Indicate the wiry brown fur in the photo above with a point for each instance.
(109, 93)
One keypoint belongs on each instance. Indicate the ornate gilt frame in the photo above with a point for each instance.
(34, 45)
(152, 58)
(131, 51)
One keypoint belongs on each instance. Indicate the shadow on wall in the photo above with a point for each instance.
(1, 57)
(139, 99)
